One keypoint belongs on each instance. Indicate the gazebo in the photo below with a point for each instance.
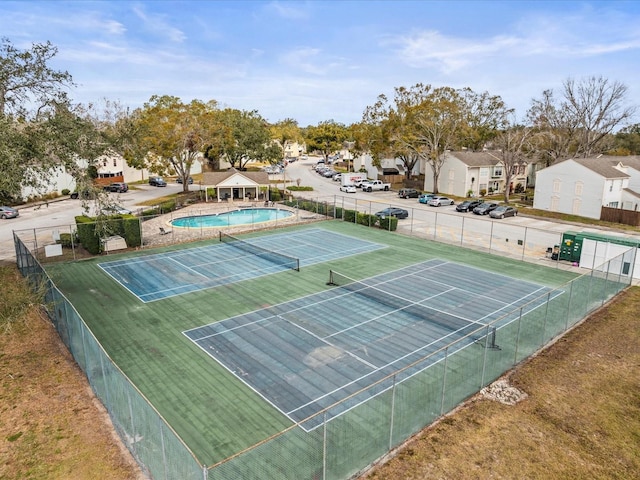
(232, 184)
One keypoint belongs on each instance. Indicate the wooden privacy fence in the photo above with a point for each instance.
(618, 215)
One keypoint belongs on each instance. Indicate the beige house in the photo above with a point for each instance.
(235, 185)
(465, 172)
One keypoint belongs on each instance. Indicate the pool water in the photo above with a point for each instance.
(235, 217)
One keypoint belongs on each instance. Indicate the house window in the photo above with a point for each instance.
(484, 172)
(556, 186)
(452, 174)
(576, 207)
(115, 164)
(613, 204)
(497, 171)
(555, 201)
(579, 186)
(514, 170)
(104, 163)
(522, 169)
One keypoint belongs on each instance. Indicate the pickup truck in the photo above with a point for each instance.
(374, 185)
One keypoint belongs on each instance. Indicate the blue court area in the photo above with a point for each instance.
(308, 354)
(163, 275)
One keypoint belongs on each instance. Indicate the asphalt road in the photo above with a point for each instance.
(62, 212)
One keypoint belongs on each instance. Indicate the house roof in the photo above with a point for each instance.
(477, 159)
(216, 178)
(631, 192)
(603, 165)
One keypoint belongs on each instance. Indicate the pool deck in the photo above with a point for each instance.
(152, 235)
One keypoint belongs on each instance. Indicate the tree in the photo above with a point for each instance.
(326, 137)
(627, 140)
(579, 123)
(285, 132)
(514, 146)
(555, 129)
(390, 127)
(438, 120)
(174, 134)
(27, 80)
(248, 139)
(31, 95)
(485, 115)
(600, 107)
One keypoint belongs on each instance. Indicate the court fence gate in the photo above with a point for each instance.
(346, 444)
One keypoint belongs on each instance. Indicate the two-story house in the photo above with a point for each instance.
(582, 186)
(463, 173)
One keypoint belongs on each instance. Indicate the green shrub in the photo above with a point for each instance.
(389, 223)
(366, 219)
(87, 234)
(300, 189)
(66, 240)
(274, 195)
(350, 216)
(66, 191)
(131, 226)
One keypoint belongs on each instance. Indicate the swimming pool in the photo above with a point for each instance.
(235, 217)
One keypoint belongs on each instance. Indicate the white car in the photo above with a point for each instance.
(348, 188)
(438, 201)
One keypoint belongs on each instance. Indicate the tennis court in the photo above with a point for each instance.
(305, 355)
(160, 276)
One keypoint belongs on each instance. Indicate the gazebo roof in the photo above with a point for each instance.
(244, 179)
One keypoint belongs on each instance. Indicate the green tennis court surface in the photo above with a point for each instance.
(213, 410)
(154, 277)
(308, 354)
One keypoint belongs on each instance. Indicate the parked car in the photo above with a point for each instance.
(329, 173)
(425, 197)
(337, 177)
(116, 210)
(408, 193)
(157, 182)
(485, 208)
(468, 205)
(348, 188)
(393, 212)
(8, 212)
(438, 201)
(503, 211)
(189, 180)
(359, 181)
(119, 187)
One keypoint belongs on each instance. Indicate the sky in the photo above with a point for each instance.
(314, 61)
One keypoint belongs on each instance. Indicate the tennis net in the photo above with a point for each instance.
(399, 303)
(270, 255)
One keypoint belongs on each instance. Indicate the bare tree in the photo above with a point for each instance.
(514, 145)
(555, 128)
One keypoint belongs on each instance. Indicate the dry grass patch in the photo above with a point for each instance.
(51, 425)
(580, 419)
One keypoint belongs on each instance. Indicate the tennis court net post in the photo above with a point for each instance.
(273, 256)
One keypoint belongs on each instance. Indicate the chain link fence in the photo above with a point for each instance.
(362, 433)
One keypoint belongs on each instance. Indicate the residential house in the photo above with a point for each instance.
(582, 186)
(465, 173)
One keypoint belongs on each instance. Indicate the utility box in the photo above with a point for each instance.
(571, 247)
(590, 250)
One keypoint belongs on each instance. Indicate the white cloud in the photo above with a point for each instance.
(288, 10)
(157, 24)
